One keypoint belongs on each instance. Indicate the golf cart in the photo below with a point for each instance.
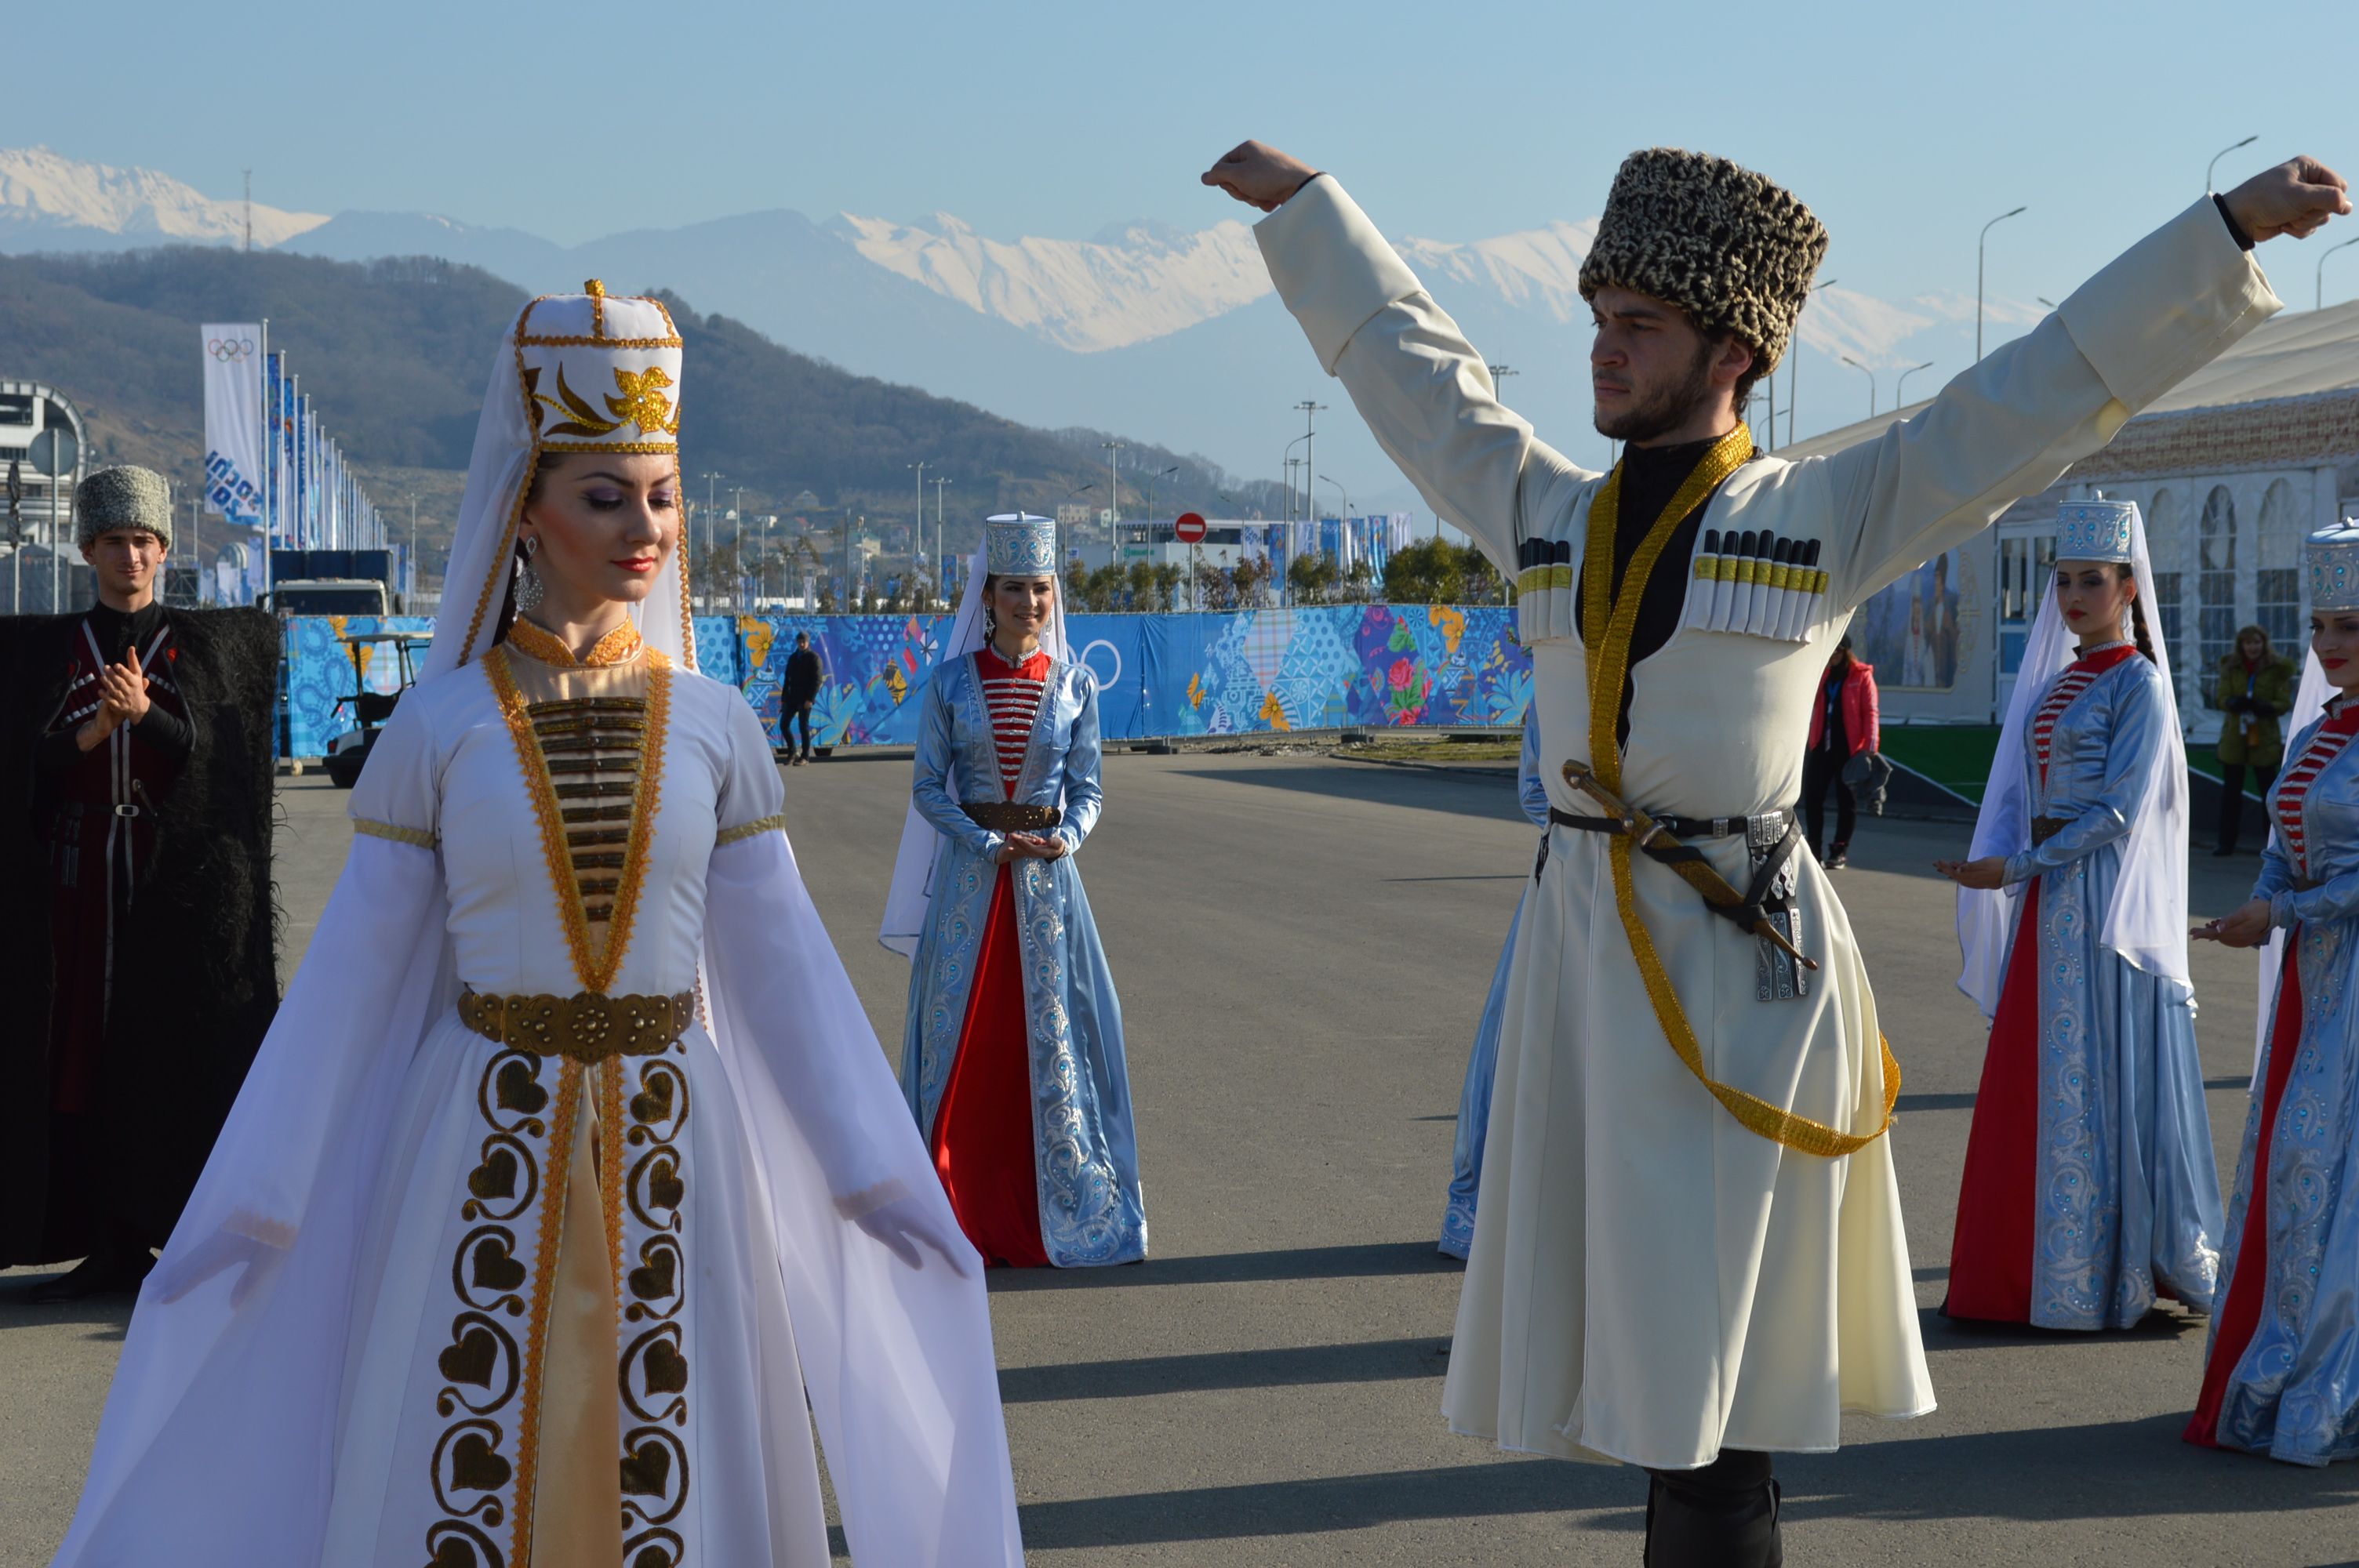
(349, 750)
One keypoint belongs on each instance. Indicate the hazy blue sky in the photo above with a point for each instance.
(1904, 124)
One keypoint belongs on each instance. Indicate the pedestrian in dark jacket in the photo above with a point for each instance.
(1843, 725)
(805, 676)
(2255, 688)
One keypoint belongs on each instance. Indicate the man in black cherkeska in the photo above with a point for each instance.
(803, 679)
(140, 951)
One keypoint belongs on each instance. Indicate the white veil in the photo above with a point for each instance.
(2146, 922)
(912, 891)
(483, 547)
(2309, 706)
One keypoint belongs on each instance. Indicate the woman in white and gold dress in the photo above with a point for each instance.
(572, 1168)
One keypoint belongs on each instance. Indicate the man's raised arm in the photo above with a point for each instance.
(1425, 392)
(2013, 423)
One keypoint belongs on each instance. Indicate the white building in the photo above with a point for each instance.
(2231, 470)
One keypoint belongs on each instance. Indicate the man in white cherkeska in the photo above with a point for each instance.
(1657, 1277)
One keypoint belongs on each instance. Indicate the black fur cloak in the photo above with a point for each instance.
(184, 1025)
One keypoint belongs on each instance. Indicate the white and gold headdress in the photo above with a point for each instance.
(577, 373)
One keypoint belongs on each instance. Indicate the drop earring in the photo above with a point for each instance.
(529, 591)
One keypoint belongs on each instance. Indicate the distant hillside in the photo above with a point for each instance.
(395, 354)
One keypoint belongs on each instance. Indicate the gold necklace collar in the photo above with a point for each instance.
(619, 646)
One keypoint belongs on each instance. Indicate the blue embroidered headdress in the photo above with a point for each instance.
(1019, 545)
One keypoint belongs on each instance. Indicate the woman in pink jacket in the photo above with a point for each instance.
(1843, 725)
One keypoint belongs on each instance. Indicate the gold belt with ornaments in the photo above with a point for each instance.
(587, 1026)
(1008, 816)
(1614, 619)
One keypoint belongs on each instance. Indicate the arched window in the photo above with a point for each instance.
(2166, 544)
(2276, 586)
(2216, 583)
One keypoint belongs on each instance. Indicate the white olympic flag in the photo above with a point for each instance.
(233, 473)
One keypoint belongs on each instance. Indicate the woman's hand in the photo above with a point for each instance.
(2248, 927)
(255, 1261)
(1032, 846)
(904, 1222)
(1984, 874)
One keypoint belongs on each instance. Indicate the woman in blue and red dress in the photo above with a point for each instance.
(1011, 1058)
(2089, 1190)
(2281, 1375)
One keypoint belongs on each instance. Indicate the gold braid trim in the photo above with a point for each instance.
(395, 831)
(562, 1120)
(1616, 616)
(610, 1172)
(596, 971)
(776, 823)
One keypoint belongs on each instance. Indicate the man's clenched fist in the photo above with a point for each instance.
(1259, 175)
(2294, 198)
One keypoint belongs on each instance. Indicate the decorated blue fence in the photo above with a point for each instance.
(1237, 672)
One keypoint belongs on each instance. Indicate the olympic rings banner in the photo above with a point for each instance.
(1254, 671)
(233, 476)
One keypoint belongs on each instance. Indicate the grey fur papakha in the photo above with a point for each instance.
(123, 497)
(1729, 248)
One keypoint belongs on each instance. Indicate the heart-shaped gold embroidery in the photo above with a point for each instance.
(496, 1177)
(454, 1552)
(652, 1281)
(667, 1368)
(665, 1189)
(475, 1467)
(647, 1469)
(653, 1104)
(495, 1270)
(471, 1360)
(518, 1089)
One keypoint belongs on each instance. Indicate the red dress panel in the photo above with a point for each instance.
(1998, 1195)
(984, 1150)
(2241, 1314)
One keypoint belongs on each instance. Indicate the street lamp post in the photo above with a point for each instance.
(2223, 152)
(2319, 303)
(1979, 242)
(1793, 373)
(918, 529)
(1152, 475)
(412, 563)
(1899, 388)
(711, 477)
(1344, 536)
(1870, 382)
(944, 584)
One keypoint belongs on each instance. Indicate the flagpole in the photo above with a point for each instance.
(270, 481)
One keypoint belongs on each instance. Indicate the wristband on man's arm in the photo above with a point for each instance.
(2235, 230)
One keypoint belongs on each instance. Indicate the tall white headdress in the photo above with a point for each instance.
(2147, 921)
(577, 373)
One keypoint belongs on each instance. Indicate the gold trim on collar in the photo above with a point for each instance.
(619, 646)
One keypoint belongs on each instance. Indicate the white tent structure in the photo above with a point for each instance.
(2232, 469)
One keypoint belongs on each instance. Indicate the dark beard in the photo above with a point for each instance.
(1667, 408)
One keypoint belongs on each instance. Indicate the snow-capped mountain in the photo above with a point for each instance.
(50, 201)
(1135, 282)
(1168, 334)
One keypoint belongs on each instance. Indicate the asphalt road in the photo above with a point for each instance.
(1302, 947)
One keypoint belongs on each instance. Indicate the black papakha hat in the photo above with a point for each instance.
(1729, 248)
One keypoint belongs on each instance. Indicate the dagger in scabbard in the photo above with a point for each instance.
(1652, 836)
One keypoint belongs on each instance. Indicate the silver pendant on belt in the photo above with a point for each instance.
(1776, 976)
